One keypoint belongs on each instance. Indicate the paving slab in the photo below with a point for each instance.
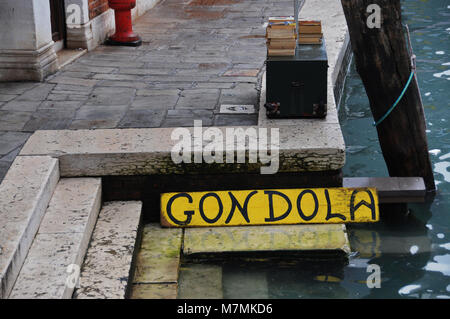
(13, 120)
(159, 256)
(266, 239)
(309, 147)
(37, 93)
(61, 241)
(24, 106)
(10, 141)
(107, 266)
(24, 195)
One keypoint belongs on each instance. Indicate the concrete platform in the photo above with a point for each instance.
(24, 195)
(61, 241)
(107, 268)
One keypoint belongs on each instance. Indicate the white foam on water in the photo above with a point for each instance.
(408, 289)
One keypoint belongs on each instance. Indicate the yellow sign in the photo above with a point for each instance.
(270, 207)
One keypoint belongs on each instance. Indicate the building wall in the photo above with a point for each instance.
(101, 23)
(97, 7)
(26, 46)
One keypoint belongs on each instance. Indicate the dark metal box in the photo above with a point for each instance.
(297, 85)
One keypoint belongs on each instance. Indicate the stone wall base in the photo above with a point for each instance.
(30, 65)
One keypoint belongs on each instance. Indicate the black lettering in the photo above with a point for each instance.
(299, 205)
(370, 205)
(202, 213)
(188, 213)
(272, 217)
(329, 213)
(235, 203)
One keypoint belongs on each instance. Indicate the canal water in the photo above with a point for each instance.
(412, 251)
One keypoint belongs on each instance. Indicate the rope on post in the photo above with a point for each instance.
(413, 70)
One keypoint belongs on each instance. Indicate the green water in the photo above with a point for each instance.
(412, 252)
(414, 256)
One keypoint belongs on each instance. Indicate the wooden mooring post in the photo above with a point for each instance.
(384, 63)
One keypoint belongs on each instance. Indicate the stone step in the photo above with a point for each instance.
(306, 148)
(24, 195)
(325, 238)
(158, 263)
(108, 264)
(52, 265)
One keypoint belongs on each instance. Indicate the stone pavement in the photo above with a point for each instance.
(196, 55)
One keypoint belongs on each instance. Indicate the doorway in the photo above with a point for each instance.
(58, 22)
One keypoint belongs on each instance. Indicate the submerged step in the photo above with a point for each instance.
(61, 242)
(107, 266)
(200, 281)
(24, 195)
(296, 238)
(158, 263)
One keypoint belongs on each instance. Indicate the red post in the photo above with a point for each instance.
(124, 28)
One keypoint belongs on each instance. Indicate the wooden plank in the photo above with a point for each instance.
(392, 189)
(270, 207)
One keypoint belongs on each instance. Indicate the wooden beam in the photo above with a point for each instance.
(391, 189)
(384, 64)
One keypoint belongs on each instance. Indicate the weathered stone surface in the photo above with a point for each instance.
(266, 238)
(236, 120)
(200, 281)
(198, 99)
(16, 87)
(13, 120)
(61, 241)
(11, 140)
(7, 97)
(23, 106)
(159, 257)
(107, 266)
(111, 96)
(48, 119)
(142, 118)
(309, 147)
(60, 79)
(155, 102)
(24, 195)
(37, 93)
(154, 291)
